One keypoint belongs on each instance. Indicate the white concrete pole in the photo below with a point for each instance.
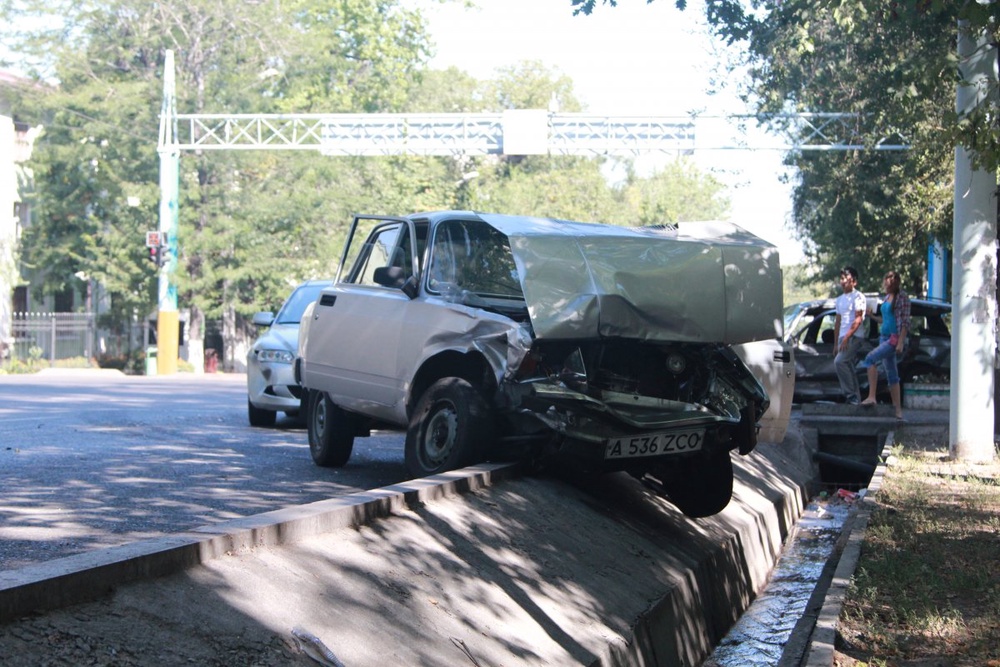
(974, 271)
(168, 319)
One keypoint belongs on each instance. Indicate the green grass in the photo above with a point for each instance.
(927, 585)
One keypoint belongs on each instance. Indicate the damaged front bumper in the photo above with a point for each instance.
(620, 430)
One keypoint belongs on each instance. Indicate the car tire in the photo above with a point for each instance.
(451, 427)
(331, 431)
(702, 486)
(259, 416)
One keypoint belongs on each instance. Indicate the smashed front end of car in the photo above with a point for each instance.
(604, 401)
(628, 361)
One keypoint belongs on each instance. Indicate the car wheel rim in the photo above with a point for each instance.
(440, 434)
(319, 417)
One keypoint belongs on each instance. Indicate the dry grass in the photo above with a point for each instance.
(926, 592)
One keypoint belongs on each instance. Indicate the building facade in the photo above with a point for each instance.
(16, 140)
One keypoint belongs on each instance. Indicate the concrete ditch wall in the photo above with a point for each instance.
(482, 562)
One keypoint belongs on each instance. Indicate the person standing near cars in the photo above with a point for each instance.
(851, 308)
(894, 314)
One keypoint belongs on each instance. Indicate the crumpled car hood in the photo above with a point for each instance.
(702, 282)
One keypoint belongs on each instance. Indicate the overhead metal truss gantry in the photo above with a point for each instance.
(515, 132)
(512, 132)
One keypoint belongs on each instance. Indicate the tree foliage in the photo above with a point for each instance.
(253, 224)
(244, 240)
(874, 209)
(587, 6)
(894, 64)
(678, 191)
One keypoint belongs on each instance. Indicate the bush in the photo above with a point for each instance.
(74, 362)
(22, 366)
(35, 363)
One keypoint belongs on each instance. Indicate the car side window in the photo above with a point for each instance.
(936, 325)
(820, 330)
(379, 251)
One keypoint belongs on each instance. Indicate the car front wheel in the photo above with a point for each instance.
(331, 431)
(699, 486)
(450, 428)
(260, 416)
(706, 488)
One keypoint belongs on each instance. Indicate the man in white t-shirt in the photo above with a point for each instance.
(851, 308)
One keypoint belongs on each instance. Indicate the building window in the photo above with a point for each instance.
(64, 300)
(21, 299)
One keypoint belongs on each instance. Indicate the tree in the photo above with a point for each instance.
(95, 187)
(587, 6)
(894, 65)
(244, 241)
(867, 208)
(679, 191)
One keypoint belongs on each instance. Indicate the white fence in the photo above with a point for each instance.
(55, 336)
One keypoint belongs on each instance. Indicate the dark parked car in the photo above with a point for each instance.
(809, 329)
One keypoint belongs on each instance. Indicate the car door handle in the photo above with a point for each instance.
(783, 356)
(327, 299)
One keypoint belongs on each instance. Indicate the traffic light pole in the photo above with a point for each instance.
(168, 319)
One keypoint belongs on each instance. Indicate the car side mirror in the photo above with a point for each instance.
(410, 287)
(388, 276)
(263, 319)
(392, 276)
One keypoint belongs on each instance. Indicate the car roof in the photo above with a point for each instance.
(590, 280)
(713, 231)
(828, 303)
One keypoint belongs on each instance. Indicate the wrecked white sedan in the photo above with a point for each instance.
(490, 336)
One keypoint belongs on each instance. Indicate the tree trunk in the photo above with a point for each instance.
(196, 339)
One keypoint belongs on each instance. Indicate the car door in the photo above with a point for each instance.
(359, 322)
(814, 344)
(773, 363)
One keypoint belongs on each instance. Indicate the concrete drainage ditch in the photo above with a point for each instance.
(780, 628)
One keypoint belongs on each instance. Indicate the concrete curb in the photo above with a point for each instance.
(88, 576)
(77, 372)
(823, 637)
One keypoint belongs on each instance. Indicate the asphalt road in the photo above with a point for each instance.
(94, 459)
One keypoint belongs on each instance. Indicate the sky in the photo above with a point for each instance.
(633, 59)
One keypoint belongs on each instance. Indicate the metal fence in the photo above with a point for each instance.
(56, 336)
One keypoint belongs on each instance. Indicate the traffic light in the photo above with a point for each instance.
(156, 255)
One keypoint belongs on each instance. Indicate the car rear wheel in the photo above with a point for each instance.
(259, 416)
(450, 428)
(331, 431)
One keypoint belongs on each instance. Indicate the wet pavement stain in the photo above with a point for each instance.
(760, 635)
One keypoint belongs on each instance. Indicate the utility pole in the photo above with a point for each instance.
(974, 270)
(168, 319)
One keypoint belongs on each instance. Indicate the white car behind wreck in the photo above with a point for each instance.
(490, 336)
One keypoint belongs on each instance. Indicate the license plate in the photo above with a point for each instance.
(654, 444)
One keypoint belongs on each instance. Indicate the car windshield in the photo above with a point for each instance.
(291, 312)
(789, 314)
(474, 257)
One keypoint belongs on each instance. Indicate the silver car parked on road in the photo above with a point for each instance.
(271, 386)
